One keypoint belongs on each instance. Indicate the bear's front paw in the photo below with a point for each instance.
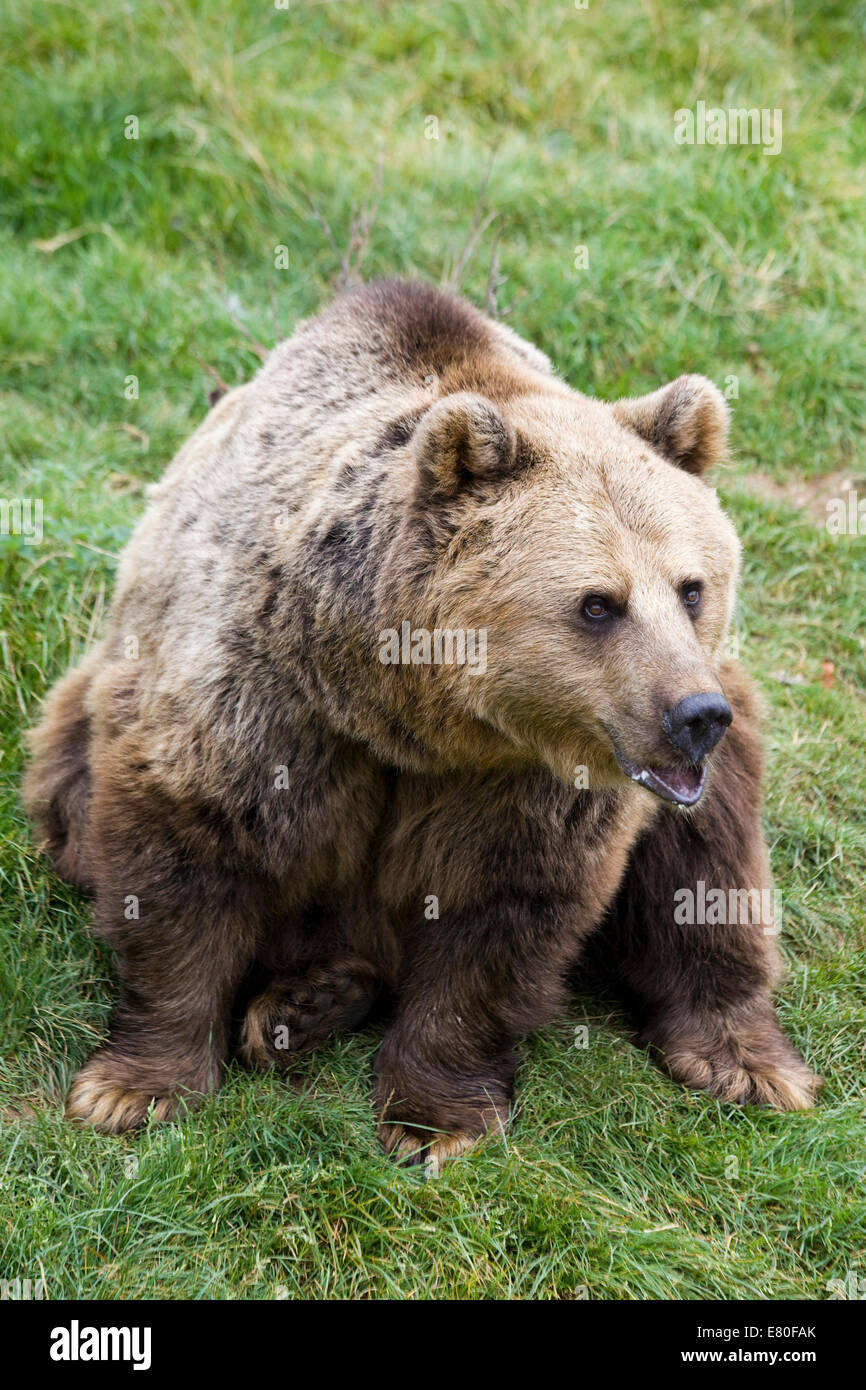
(746, 1060)
(100, 1096)
(428, 1117)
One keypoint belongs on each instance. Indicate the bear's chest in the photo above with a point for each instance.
(471, 839)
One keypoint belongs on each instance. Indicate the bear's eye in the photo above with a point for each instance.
(692, 592)
(596, 608)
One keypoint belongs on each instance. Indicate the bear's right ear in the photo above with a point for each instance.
(687, 421)
(463, 437)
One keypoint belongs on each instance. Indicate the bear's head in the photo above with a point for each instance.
(583, 542)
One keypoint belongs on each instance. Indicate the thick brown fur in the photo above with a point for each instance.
(245, 786)
(702, 991)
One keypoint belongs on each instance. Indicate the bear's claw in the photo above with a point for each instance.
(98, 1097)
(423, 1148)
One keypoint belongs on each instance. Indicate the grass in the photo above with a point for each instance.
(154, 258)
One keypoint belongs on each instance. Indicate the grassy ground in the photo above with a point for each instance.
(154, 258)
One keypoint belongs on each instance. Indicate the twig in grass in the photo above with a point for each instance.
(222, 386)
(495, 281)
(97, 550)
(361, 223)
(97, 613)
(279, 331)
(258, 348)
(455, 267)
(135, 433)
(54, 243)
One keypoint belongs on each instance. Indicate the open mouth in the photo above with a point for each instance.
(683, 786)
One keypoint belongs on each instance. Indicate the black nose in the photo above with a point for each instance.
(696, 724)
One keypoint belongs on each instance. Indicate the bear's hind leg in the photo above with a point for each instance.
(702, 988)
(300, 1008)
(57, 785)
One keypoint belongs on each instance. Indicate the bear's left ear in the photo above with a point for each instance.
(687, 421)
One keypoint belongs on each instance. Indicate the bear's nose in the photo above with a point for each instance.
(697, 723)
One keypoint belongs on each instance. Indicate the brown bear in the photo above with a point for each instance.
(414, 681)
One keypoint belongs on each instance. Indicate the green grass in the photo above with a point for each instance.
(615, 1183)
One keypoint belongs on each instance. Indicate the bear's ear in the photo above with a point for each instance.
(687, 421)
(463, 437)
